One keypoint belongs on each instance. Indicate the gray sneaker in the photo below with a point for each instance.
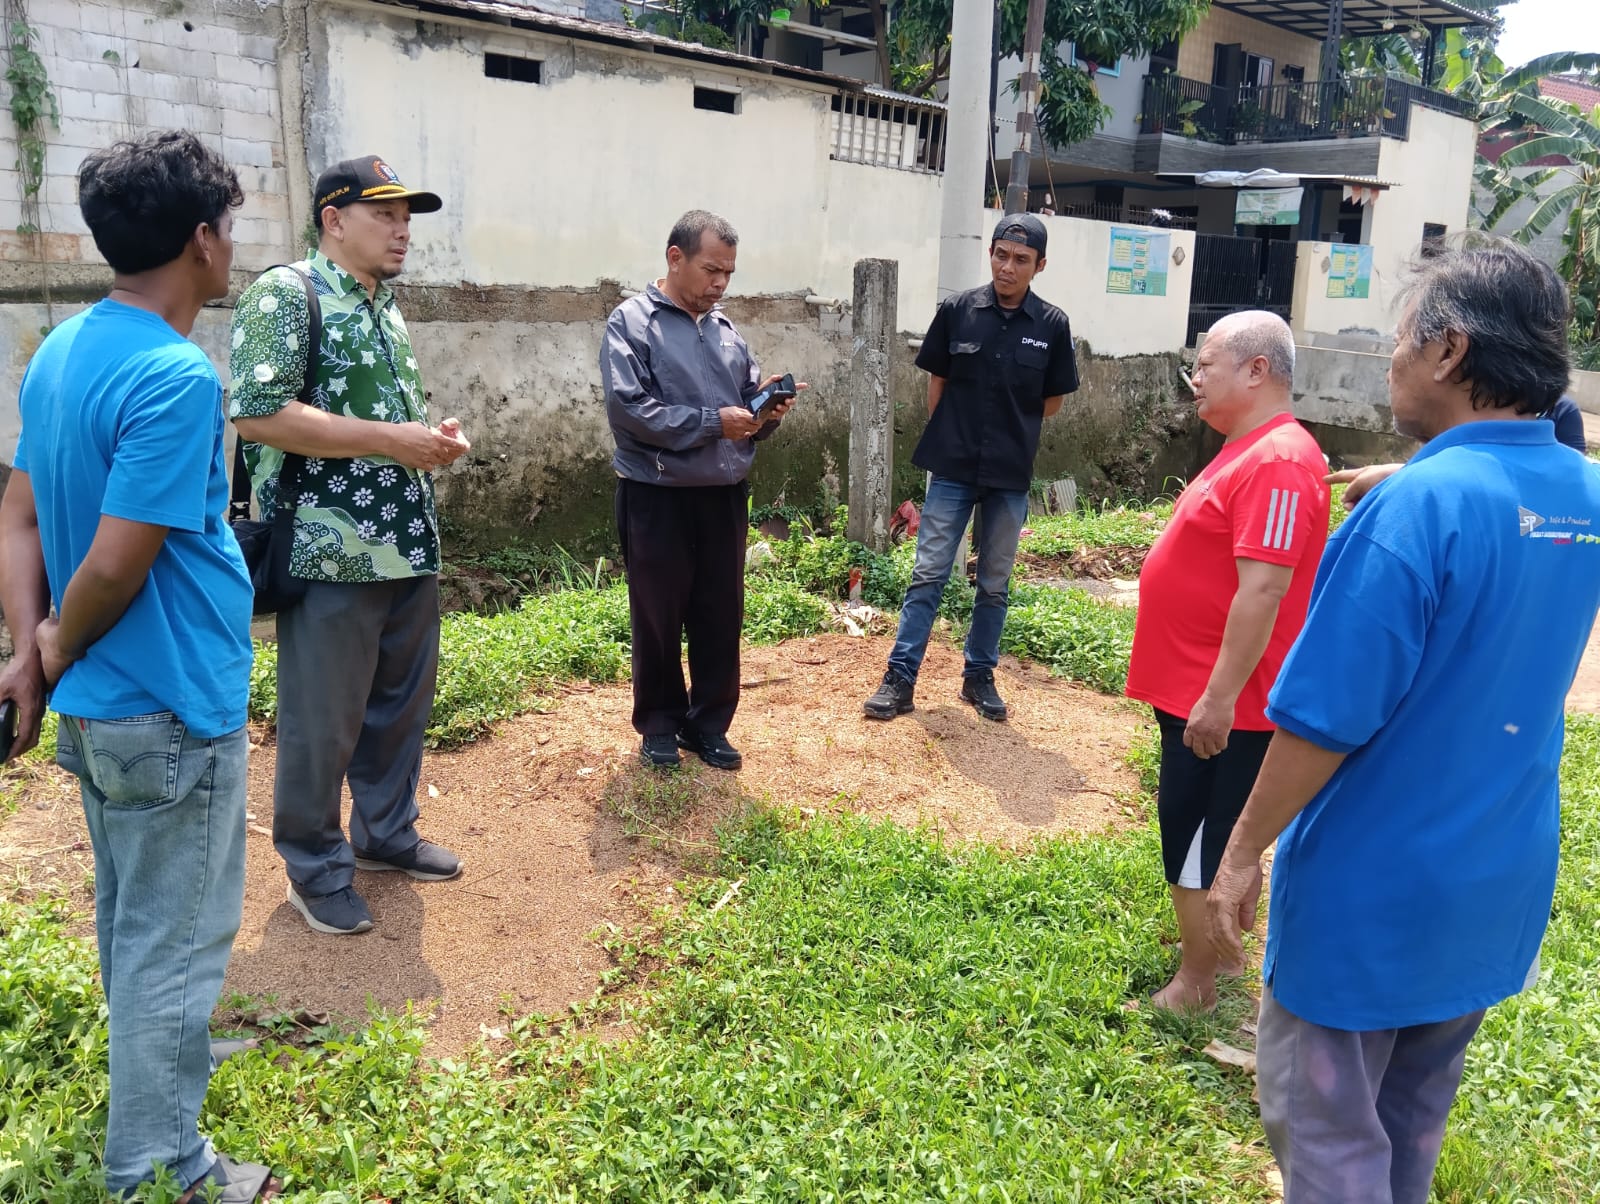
(339, 914)
(424, 861)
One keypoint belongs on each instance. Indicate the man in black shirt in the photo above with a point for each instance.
(1000, 361)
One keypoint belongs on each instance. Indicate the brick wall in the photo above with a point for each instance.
(123, 68)
(1224, 26)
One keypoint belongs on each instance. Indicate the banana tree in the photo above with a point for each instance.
(1522, 179)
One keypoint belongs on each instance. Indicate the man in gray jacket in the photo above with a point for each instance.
(679, 382)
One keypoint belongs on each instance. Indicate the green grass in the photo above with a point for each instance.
(1527, 1122)
(1109, 526)
(491, 666)
(876, 1016)
(1073, 633)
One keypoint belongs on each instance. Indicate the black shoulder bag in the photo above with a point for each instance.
(267, 546)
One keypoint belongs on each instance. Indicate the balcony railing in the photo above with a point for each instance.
(887, 130)
(1129, 215)
(1357, 107)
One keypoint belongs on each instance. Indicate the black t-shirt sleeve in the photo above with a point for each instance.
(934, 355)
(1061, 374)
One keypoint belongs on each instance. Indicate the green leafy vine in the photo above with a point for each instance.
(33, 104)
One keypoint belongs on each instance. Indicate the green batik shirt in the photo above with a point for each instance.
(367, 519)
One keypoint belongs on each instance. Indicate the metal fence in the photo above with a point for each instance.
(1134, 215)
(888, 131)
(1354, 107)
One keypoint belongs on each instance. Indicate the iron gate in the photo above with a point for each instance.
(1231, 274)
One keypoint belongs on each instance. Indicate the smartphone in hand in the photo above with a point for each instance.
(778, 390)
(8, 729)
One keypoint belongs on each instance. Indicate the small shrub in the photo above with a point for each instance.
(1071, 632)
(780, 610)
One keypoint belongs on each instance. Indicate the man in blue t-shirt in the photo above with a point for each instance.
(1417, 797)
(114, 514)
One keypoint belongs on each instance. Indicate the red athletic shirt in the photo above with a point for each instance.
(1262, 498)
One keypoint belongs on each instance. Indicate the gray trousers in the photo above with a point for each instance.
(357, 666)
(1357, 1118)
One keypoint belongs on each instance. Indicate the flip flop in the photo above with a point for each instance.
(223, 1048)
(241, 1183)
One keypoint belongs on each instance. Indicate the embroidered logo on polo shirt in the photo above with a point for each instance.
(1042, 346)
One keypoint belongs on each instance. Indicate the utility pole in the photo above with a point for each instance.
(1027, 110)
(966, 145)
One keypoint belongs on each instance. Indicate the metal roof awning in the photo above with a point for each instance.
(1362, 18)
(1348, 181)
(522, 15)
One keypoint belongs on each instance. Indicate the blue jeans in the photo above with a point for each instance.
(945, 515)
(166, 819)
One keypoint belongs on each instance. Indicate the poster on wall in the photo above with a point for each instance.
(1268, 207)
(1350, 272)
(1138, 262)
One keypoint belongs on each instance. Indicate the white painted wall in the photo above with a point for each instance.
(1432, 177)
(1586, 391)
(579, 178)
(121, 69)
(1315, 312)
(1114, 323)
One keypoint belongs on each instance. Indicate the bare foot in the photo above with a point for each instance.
(1179, 995)
(1239, 970)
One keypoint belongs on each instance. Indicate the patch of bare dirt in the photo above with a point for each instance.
(550, 866)
(1099, 564)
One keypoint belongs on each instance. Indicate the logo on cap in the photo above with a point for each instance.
(384, 171)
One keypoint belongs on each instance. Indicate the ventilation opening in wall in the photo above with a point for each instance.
(716, 100)
(505, 66)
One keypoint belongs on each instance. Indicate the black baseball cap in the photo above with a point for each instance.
(368, 178)
(1023, 228)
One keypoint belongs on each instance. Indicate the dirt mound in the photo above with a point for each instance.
(565, 837)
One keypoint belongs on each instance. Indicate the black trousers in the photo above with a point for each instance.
(684, 552)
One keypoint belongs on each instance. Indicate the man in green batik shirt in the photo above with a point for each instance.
(358, 657)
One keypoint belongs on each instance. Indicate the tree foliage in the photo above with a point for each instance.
(1101, 32)
(1541, 129)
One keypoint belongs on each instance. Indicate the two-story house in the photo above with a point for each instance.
(1375, 162)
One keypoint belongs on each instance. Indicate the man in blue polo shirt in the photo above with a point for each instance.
(1417, 800)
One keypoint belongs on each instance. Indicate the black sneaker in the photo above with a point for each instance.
(339, 914)
(424, 861)
(893, 698)
(715, 750)
(978, 689)
(660, 752)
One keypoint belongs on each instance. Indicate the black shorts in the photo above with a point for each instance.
(1199, 800)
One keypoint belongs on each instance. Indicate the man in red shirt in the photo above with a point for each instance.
(1222, 596)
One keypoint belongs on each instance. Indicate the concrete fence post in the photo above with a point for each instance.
(872, 324)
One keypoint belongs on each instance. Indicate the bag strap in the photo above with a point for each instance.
(293, 464)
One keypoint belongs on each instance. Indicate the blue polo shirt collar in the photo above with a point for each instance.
(1525, 432)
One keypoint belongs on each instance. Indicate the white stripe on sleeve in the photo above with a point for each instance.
(1272, 513)
(1288, 528)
